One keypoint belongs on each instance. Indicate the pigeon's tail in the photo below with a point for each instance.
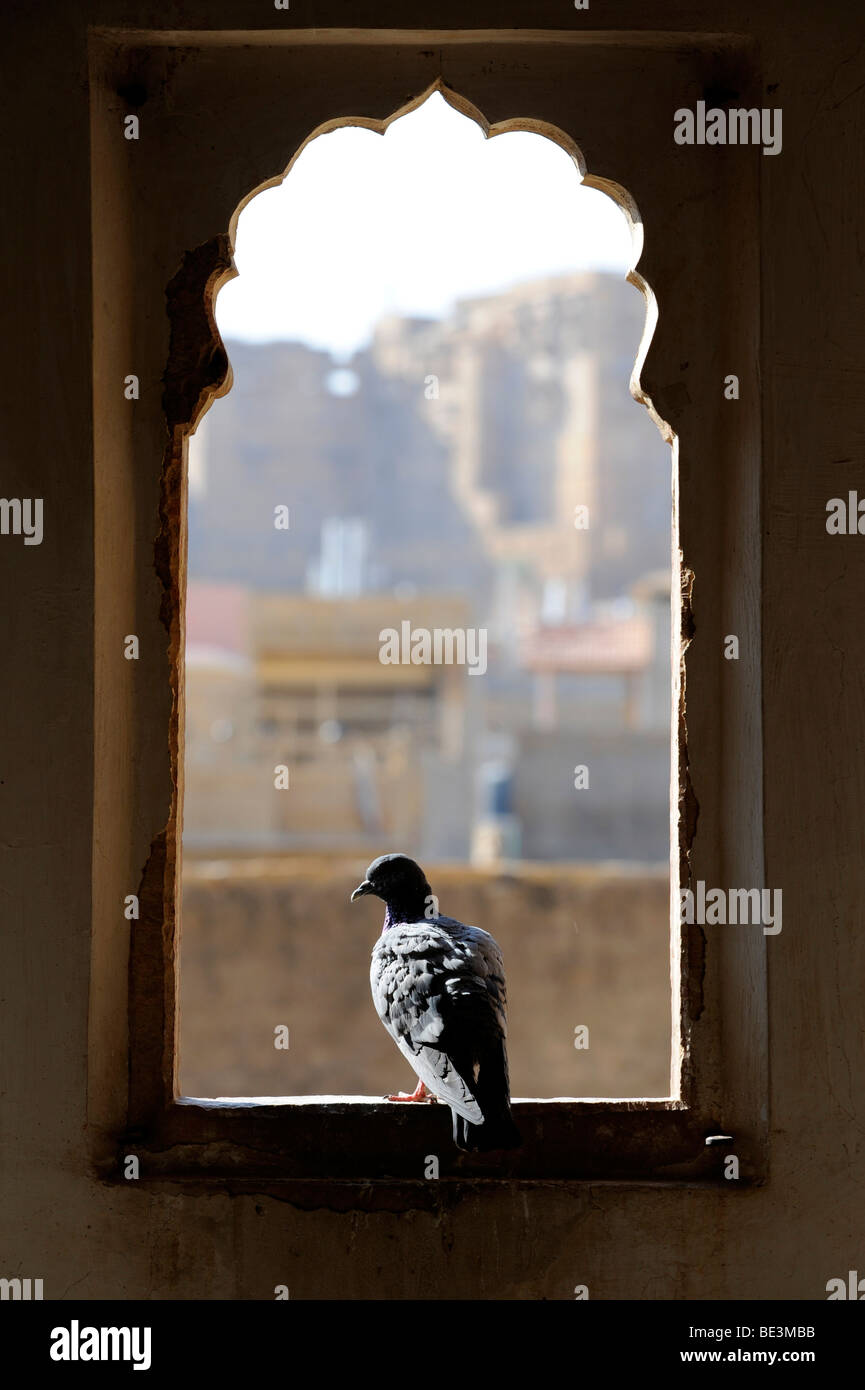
(492, 1092)
(499, 1132)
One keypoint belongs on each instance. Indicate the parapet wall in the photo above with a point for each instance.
(271, 942)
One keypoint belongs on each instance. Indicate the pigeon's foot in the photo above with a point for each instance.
(420, 1092)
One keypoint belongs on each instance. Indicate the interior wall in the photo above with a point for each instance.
(90, 1239)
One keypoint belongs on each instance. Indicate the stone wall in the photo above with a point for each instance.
(277, 942)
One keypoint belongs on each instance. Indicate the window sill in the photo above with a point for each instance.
(362, 1139)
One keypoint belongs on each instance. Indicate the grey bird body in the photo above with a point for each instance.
(439, 989)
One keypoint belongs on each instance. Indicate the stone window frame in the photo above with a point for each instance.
(165, 208)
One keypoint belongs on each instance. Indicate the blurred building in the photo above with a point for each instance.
(464, 446)
(486, 471)
(489, 471)
(371, 751)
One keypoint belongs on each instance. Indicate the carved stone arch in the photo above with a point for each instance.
(198, 370)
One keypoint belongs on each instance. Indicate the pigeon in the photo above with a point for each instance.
(439, 989)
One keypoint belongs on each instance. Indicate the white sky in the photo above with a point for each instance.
(407, 223)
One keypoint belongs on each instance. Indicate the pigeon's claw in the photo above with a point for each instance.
(420, 1092)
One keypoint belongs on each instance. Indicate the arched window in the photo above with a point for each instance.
(429, 432)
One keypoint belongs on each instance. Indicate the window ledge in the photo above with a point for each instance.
(361, 1139)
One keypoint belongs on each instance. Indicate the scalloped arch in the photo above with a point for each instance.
(224, 268)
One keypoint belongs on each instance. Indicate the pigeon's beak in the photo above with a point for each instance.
(362, 889)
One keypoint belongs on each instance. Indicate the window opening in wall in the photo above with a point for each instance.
(429, 431)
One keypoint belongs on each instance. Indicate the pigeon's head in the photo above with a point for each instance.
(400, 883)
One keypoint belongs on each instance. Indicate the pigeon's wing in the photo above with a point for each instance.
(436, 989)
(489, 967)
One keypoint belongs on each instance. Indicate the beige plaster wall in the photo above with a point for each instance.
(278, 942)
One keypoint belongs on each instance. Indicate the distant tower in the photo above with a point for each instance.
(339, 571)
